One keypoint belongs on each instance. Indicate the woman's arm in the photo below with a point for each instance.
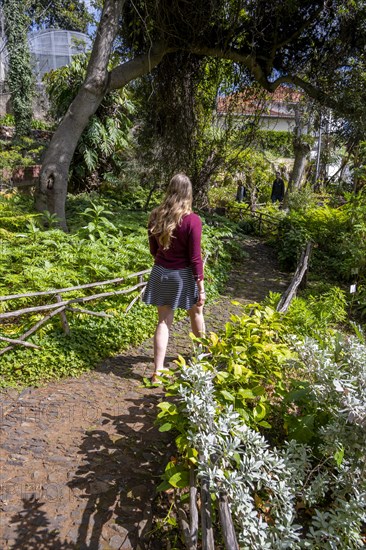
(153, 244)
(195, 256)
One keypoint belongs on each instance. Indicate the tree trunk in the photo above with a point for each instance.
(201, 182)
(302, 150)
(301, 147)
(52, 189)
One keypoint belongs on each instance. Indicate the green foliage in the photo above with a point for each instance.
(24, 152)
(63, 14)
(106, 242)
(278, 143)
(359, 303)
(36, 124)
(314, 314)
(246, 363)
(20, 77)
(338, 234)
(102, 147)
(292, 240)
(249, 166)
(301, 200)
(307, 398)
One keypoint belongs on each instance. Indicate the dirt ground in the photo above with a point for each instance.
(80, 458)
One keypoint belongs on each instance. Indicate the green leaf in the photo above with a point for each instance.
(338, 456)
(214, 339)
(179, 479)
(246, 394)
(264, 424)
(238, 370)
(166, 427)
(227, 395)
(222, 376)
(164, 486)
(259, 412)
(167, 408)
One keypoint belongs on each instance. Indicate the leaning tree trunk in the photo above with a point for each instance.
(52, 189)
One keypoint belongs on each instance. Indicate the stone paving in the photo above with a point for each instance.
(80, 458)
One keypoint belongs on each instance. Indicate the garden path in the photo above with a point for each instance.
(80, 458)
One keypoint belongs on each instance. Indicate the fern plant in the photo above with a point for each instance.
(102, 145)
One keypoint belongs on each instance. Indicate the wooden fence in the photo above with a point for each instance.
(63, 305)
(265, 222)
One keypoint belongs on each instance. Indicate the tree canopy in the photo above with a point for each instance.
(71, 15)
(314, 45)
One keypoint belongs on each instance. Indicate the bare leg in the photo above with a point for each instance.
(161, 336)
(197, 320)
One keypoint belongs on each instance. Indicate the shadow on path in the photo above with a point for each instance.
(33, 528)
(118, 475)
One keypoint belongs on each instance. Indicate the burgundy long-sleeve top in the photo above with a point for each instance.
(184, 249)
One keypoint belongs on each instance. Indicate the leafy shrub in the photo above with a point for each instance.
(314, 315)
(359, 302)
(26, 152)
(293, 237)
(279, 143)
(37, 124)
(308, 491)
(338, 235)
(301, 200)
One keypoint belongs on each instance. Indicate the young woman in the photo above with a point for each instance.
(176, 279)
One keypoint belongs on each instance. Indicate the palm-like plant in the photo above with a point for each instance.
(106, 136)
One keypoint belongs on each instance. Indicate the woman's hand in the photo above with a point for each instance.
(201, 298)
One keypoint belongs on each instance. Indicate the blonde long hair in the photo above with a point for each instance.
(177, 203)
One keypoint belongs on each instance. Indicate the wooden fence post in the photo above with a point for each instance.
(208, 542)
(227, 524)
(64, 323)
(141, 280)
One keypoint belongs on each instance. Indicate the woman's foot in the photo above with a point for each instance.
(157, 376)
(155, 379)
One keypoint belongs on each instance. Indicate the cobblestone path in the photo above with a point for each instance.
(80, 458)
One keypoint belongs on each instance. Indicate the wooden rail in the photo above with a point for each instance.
(299, 274)
(261, 217)
(61, 306)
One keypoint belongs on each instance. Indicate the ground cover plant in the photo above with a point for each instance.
(106, 241)
(274, 420)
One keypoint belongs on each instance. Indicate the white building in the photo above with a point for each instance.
(274, 112)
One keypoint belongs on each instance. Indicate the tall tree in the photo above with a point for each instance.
(303, 43)
(176, 130)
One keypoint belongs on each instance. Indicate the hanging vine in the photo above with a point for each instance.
(19, 76)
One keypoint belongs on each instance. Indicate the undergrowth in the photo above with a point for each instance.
(106, 242)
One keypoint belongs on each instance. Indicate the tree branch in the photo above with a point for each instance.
(286, 40)
(251, 63)
(140, 65)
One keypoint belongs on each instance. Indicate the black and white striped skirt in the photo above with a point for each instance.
(176, 288)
